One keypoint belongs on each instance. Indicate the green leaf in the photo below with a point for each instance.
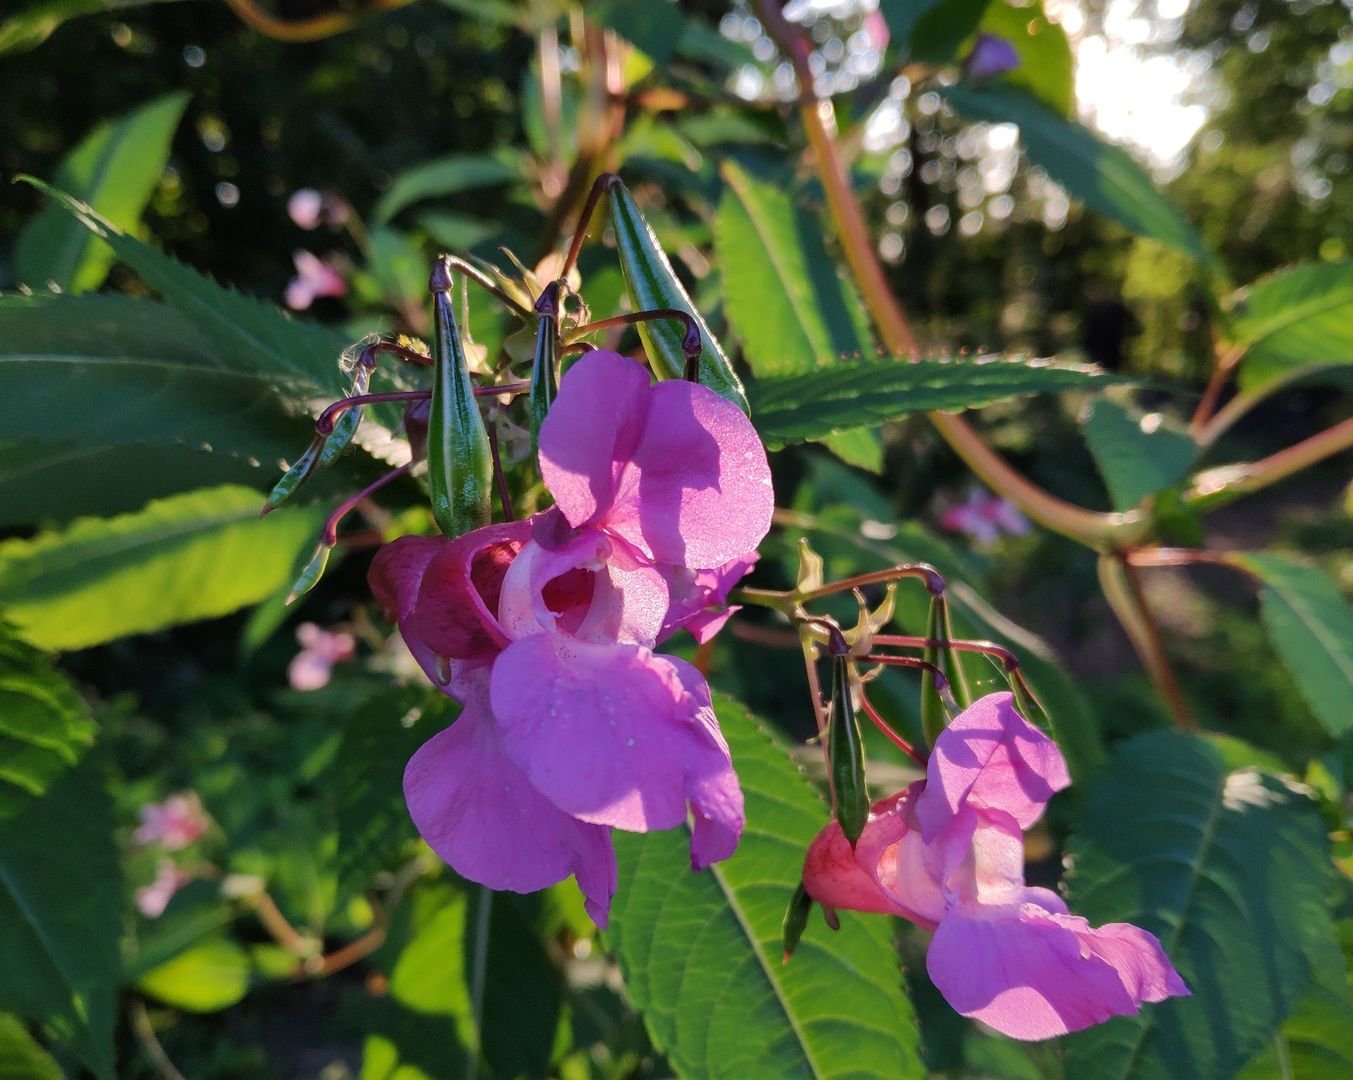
(424, 1027)
(1311, 627)
(654, 27)
(45, 727)
(1045, 62)
(447, 176)
(701, 953)
(20, 1057)
(1297, 318)
(793, 408)
(932, 30)
(243, 332)
(1137, 455)
(1315, 1041)
(60, 916)
(187, 557)
(1102, 176)
(33, 25)
(783, 293)
(208, 977)
(114, 169)
(1229, 868)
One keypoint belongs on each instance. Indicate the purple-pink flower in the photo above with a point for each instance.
(990, 56)
(948, 854)
(314, 278)
(312, 667)
(982, 517)
(152, 899)
(545, 631)
(174, 823)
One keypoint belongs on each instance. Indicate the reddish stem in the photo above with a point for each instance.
(325, 424)
(690, 343)
(934, 581)
(330, 534)
(987, 648)
(892, 736)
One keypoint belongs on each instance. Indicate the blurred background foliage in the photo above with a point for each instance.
(426, 127)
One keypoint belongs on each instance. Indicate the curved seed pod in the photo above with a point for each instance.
(652, 284)
(345, 427)
(295, 476)
(796, 919)
(845, 752)
(460, 464)
(545, 364)
(310, 573)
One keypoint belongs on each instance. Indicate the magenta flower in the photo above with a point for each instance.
(948, 854)
(174, 823)
(314, 278)
(982, 517)
(152, 899)
(545, 629)
(312, 667)
(990, 56)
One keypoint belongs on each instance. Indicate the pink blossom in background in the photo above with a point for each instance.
(305, 208)
(983, 517)
(152, 899)
(948, 854)
(311, 668)
(174, 823)
(544, 630)
(314, 278)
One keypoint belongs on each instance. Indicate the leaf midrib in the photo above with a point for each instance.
(1290, 314)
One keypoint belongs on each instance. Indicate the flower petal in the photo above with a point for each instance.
(699, 598)
(395, 576)
(590, 433)
(990, 757)
(478, 811)
(456, 612)
(1033, 974)
(616, 735)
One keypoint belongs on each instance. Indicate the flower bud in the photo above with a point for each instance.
(460, 464)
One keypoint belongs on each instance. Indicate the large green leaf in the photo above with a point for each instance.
(245, 333)
(1229, 868)
(1311, 627)
(446, 176)
(61, 914)
(793, 408)
(35, 22)
(701, 953)
(20, 1057)
(1103, 176)
(1297, 318)
(114, 169)
(783, 293)
(209, 976)
(180, 559)
(1137, 455)
(1045, 63)
(45, 727)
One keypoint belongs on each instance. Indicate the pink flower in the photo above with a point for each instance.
(152, 899)
(174, 823)
(948, 854)
(321, 649)
(983, 517)
(314, 278)
(544, 629)
(305, 208)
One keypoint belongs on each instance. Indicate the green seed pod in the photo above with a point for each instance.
(345, 427)
(544, 366)
(845, 752)
(460, 464)
(796, 919)
(311, 573)
(934, 716)
(295, 476)
(653, 285)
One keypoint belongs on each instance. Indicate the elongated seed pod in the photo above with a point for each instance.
(295, 476)
(845, 752)
(796, 919)
(934, 717)
(652, 285)
(544, 365)
(460, 464)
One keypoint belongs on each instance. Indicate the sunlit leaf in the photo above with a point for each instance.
(792, 408)
(1137, 455)
(1101, 175)
(1311, 626)
(1298, 318)
(187, 557)
(1229, 868)
(114, 169)
(20, 1057)
(446, 176)
(207, 977)
(701, 953)
(1045, 63)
